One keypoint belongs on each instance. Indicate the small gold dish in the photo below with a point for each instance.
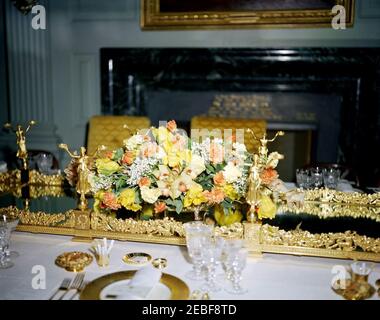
(354, 290)
(74, 261)
(160, 263)
(137, 258)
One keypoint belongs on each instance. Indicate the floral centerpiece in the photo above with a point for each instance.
(162, 169)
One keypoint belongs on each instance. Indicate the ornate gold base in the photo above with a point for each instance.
(252, 237)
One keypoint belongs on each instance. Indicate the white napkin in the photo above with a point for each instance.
(139, 287)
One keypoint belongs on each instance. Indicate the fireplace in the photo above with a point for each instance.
(324, 99)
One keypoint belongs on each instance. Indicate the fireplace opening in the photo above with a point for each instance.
(321, 98)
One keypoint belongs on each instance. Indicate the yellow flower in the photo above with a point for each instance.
(230, 192)
(98, 200)
(222, 219)
(173, 159)
(267, 208)
(194, 196)
(150, 195)
(107, 166)
(127, 199)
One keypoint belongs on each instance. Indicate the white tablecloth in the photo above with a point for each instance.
(269, 277)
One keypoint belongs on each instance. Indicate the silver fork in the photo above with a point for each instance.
(63, 287)
(79, 290)
(75, 284)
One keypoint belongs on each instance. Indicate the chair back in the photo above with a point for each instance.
(110, 131)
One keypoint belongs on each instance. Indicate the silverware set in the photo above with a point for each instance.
(74, 286)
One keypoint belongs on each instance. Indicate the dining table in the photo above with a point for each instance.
(270, 276)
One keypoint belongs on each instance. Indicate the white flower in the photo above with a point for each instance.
(273, 159)
(231, 173)
(197, 166)
(239, 148)
(150, 195)
(134, 141)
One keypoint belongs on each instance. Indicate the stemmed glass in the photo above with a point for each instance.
(12, 224)
(211, 258)
(230, 248)
(237, 262)
(4, 242)
(197, 233)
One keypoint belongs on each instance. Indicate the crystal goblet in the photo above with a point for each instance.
(238, 262)
(197, 233)
(4, 242)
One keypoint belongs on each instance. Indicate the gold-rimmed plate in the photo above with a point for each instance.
(137, 258)
(176, 288)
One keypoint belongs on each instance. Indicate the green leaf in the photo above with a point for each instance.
(210, 168)
(118, 154)
(178, 206)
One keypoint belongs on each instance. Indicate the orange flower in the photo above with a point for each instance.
(144, 182)
(219, 178)
(268, 175)
(216, 153)
(128, 157)
(147, 138)
(215, 196)
(159, 207)
(108, 154)
(182, 187)
(110, 201)
(171, 126)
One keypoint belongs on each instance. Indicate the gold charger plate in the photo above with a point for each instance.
(178, 289)
(354, 290)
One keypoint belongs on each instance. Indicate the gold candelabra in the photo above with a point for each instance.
(254, 181)
(22, 152)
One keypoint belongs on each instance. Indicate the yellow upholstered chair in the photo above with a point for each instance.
(110, 130)
(219, 124)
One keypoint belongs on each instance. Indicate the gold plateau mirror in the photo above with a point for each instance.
(327, 224)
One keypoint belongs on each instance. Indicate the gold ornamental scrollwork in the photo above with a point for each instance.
(66, 220)
(334, 196)
(347, 241)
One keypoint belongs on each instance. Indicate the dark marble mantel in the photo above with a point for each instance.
(351, 74)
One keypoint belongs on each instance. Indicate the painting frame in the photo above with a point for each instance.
(153, 19)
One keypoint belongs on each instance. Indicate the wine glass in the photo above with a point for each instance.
(331, 178)
(304, 179)
(4, 242)
(211, 258)
(12, 224)
(44, 162)
(197, 233)
(237, 262)
(316, 177)
(230, 248)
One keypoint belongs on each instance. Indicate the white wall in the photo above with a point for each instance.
(77, 29)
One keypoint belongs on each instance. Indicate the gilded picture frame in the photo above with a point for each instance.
(234, 14)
